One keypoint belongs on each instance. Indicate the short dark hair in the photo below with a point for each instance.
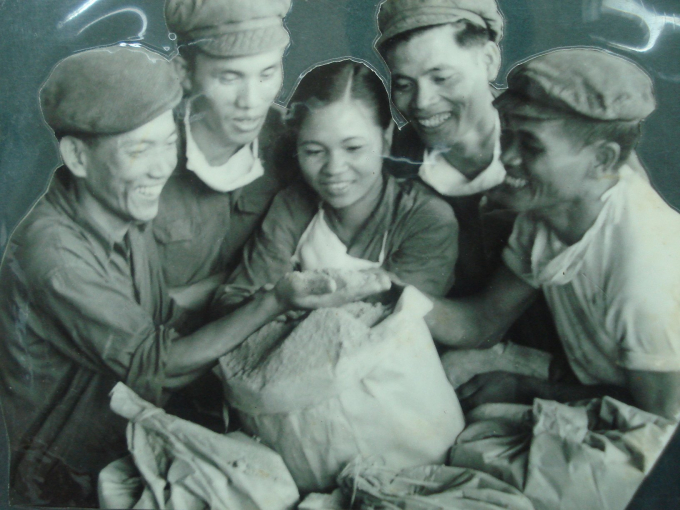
(335, 81)
(467, 35)
(589, 131)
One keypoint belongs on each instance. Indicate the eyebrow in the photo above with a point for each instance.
(435, 69)
(146, 143)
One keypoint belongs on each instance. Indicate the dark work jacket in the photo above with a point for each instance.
(201, 232)
(484, 228)
(78, 313)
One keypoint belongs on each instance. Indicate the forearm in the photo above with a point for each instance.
(463, 323)
(191, 356)
(198, 295)
(481, 320)
(536, 388)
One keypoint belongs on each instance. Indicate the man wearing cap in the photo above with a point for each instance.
(230, 56)
(82, 299)
(592, 234)
(443, 55)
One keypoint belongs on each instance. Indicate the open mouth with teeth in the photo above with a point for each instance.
(434, 121)
(515, 182)
(150, 191)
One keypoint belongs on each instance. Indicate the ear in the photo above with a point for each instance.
(388, 135)
(74, 153)
(182, 69)
(607, 156)
(491, 54)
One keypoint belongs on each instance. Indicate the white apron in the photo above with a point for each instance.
(320, 248)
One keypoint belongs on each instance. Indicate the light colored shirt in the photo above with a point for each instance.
(615, 294)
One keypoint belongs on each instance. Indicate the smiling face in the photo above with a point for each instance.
(234, 94)
(547, 168)
(340, 150)
(126, 173)
(441, 87)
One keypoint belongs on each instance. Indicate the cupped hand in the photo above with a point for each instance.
(311, 291)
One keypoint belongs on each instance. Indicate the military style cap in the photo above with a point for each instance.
(587, 82)
(398, 16)
(109, 91)
(229, 28)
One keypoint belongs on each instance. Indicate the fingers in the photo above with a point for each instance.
(315, 283)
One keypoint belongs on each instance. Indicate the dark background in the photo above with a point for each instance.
(36, 34)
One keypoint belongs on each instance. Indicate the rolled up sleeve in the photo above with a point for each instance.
(426, 255)
(650, 333)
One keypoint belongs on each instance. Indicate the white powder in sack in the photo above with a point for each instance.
(281, 351)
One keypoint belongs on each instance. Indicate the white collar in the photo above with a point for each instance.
(437, 172)
(242, 168)
(555, 263)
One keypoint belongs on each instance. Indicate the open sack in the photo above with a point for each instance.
(386, 397)
(178, 465)
(590, 454)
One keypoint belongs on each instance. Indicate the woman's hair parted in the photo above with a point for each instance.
(338, 81)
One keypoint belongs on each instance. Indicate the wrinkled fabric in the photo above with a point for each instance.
(241, 168)
(590, 454)
(614, 294)
(320, 248)
(389, 398)
(201, 232)
(432, 487)
(78, 312)
(447, 180)
(178, 465)
(420, 247)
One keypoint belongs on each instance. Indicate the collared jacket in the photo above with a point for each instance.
(78, 312)
(201, 232)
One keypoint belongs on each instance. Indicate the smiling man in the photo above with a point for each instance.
(592, 235)
(443, 55)
(83, 303)
(230, 56)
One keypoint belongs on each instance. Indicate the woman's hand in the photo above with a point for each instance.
(317, 290)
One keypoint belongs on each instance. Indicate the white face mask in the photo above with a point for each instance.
(449, 181)
(241, 169)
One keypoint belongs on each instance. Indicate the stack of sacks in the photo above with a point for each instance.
(345, 382)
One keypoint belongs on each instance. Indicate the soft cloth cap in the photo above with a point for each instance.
(109, 91)
(229, 28)
(587, 82)
(398, 16)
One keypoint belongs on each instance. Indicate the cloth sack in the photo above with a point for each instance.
(590, 454)
(370, 486)
(389, 398)
(176, 464)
